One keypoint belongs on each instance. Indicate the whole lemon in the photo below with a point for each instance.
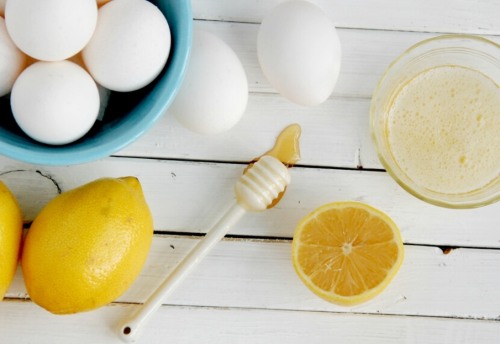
(87, 245)
(11, 229)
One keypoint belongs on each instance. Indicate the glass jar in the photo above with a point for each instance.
(470, 52)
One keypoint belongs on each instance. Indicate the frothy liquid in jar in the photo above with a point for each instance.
(444, 129)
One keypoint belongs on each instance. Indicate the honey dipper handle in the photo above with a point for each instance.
(255, 190)
(129, 329)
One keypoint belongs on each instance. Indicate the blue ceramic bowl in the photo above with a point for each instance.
(128, 115)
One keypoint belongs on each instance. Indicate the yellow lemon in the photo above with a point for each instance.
(11, 228)
(347, 252)
(87, 245)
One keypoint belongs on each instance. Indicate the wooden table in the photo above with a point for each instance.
(245, 291)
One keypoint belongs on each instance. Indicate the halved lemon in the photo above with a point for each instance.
(347, 252)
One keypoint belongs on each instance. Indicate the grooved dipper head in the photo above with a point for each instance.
(262, 183)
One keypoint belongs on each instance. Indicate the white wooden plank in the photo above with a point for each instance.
(364, 58)
(190, 197)
(23, 323)
(365, 54)
(259, 274)
(464, 16)
(335, 133)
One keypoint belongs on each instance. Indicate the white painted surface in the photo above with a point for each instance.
(181, 197)
(463, 16)
(246, 291)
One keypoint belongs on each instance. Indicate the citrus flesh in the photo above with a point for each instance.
(87, 246)
(347, 252)
(11, 228)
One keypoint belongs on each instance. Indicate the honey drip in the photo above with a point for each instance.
(286, 149)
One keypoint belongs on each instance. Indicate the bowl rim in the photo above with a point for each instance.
(373, 117)
(65, 155)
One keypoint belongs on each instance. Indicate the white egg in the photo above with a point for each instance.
(299, 52)
(51, 30)
(55, 102)
(12, 60)
(130, 45)
(214, 93)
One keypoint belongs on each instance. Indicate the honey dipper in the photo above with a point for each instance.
(256, 189)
